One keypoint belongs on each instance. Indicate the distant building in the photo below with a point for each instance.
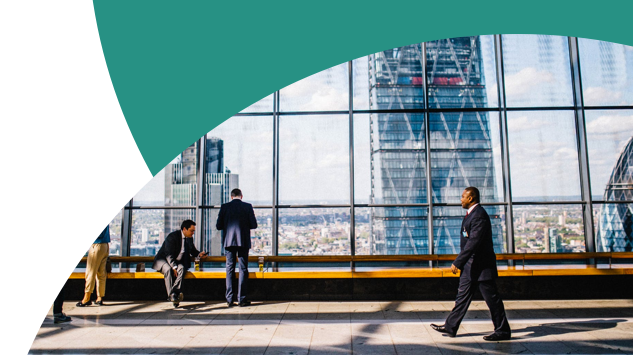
(615, 227)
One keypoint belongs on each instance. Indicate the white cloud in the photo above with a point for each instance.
(523, 123)
(526, 80)
(612, 125)
(599, 95)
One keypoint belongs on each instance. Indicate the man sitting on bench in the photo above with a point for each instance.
(174, 258)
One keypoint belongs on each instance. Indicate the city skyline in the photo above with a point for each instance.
(542, 144)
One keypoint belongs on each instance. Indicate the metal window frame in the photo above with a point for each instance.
(581, 136)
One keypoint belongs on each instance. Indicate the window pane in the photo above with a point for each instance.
(610, 154)
(360, 70)
(261, 238)
(314, 159)
(543, 156)
(466, 151)
(397, 158)
(395, 79)
(263, 105)
(151, 227)
(175, 185)
(115, 234)
(614, 227)
(548, 229)
(536, 70)
(461, 72)
(391, 230)
(362, 159)
(240, 155)
(447, 223)
(324, 91)
(606, 73)
(314, 231)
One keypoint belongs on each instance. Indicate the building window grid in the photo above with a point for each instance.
(579, 106)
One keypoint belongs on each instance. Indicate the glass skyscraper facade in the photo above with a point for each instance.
(460, 142)
(371, 156)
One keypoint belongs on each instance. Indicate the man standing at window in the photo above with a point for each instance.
(478, 264)
(235, 220)
(174, 258)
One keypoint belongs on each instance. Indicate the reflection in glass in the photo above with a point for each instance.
(548, 229)
(391, 230)
(240, 155)
(614, 227)
(327, 90)
(543, 156)
(461, 72)
(314, 159)
(314, 231)
(465, 151)
(447, 223)
(536, 70)
(609, 135)
(263, 105)
(606, 70)
(261, 238)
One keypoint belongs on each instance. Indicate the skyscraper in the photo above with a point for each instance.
(615, 227)
(180, 188)
(219, 181)
(461, 147)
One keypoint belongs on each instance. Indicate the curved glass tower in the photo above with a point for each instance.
(615, 228)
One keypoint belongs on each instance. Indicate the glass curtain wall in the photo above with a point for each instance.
(370, 157)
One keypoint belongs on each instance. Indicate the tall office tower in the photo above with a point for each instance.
(180, 188)
(615, 228)
(461, 149)
(554, 241)
(218, 185)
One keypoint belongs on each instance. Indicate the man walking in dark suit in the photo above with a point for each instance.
(235, 220)
(478, 265)
(174, 258)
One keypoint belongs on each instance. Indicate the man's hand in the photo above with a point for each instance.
(202, 254)
(454, 269)
(175, 272)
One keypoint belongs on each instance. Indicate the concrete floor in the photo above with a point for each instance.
(539, 327)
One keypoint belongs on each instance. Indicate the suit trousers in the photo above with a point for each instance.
(493, 300)
(172, 284)
(242, 256)
(96, 268)
(58, 304)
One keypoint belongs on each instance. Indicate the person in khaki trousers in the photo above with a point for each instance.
(96, 268)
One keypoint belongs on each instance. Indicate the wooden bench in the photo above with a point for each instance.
(392, 272)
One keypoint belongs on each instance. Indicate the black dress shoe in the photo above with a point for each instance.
(61, 318)
(245, 303)
(442, 329)
(79, 304)
(497, 337)
(99, 303)
(230, 304)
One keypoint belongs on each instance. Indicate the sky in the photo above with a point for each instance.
(314, 161)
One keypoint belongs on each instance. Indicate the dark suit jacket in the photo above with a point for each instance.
(170, 249)
(477, 259)
(235, 220)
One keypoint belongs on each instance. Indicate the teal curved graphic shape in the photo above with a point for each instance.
(181, 68)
